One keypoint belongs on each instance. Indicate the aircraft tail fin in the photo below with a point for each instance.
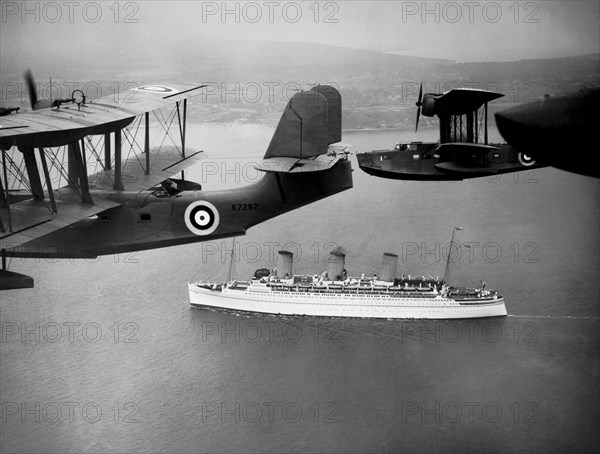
(334, 112)
(311, 122)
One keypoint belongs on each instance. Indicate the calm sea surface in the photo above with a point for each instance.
(107, 356)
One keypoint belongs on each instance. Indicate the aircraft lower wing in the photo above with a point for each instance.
(32, 219)
(163, 164)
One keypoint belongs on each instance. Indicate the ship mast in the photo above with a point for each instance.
(447, 271)
(230, 276)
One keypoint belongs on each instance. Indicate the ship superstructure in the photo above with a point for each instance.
(335, 294)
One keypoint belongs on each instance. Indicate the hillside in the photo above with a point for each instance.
(250, 82)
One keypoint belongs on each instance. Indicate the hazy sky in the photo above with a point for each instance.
(463, 31)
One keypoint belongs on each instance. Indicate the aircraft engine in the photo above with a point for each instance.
(428, 105)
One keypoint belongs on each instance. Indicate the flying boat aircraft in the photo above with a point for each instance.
(463, 150)
(137, 202)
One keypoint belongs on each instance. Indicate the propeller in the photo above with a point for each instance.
(419, 103)
(43, 103)
(33, 97)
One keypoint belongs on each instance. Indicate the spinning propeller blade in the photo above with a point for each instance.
(33, 97)
(419, 103)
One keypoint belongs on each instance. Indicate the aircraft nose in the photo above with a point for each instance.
(559, 131)
(552, 120)
(521, 127)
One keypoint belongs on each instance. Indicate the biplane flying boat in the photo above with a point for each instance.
(463, 150)
(137, 202)
(554, 128)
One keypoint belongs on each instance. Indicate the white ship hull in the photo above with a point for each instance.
(346, 304)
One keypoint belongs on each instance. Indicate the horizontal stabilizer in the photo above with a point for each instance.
(339, 147)
(295, 165)
(311, 121)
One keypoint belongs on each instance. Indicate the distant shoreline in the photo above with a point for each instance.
(274, 125)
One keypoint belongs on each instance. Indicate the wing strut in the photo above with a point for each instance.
(7, 200)
(147, 142)
(107, 163)
(182, 125)
(79, 171)
(48, 182)
(32, 172)
(118, 183)
(485, 131)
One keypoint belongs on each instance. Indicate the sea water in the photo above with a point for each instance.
(106, 355)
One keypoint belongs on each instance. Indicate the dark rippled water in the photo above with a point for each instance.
(107, 355)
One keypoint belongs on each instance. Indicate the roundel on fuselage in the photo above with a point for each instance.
(526, 160)
(201, 218)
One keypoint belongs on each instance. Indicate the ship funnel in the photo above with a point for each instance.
(284, 265)
(336, 266)
(388, 267)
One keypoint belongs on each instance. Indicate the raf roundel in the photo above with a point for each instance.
(526, 160)
(201, 218)
(157, 89)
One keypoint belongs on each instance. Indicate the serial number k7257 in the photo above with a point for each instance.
(244, 206)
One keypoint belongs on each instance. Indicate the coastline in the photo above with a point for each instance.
(270, 125)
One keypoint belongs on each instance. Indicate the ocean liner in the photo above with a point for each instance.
(334, 294)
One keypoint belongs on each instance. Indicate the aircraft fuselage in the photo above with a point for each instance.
(147, 220)
(426, 161)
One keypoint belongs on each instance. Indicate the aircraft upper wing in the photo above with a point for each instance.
(460, 101)
(54, 127)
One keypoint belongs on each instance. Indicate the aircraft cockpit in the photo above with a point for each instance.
(408, 146)
(171, 187)
(167, 188)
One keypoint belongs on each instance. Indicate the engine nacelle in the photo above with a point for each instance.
(428, 108)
